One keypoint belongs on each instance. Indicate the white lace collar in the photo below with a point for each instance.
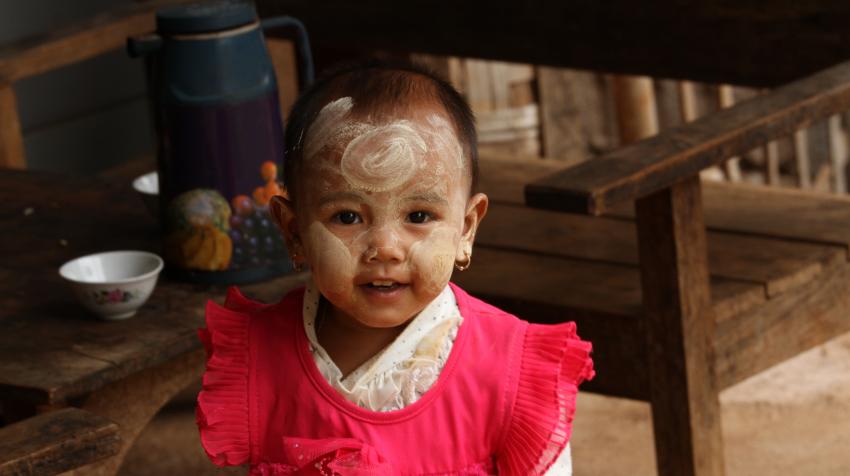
(402, 372)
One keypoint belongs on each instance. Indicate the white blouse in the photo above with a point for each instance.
(401, 373)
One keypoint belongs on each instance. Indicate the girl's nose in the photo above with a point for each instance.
(384, 245)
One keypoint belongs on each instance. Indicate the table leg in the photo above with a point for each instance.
(135, 400)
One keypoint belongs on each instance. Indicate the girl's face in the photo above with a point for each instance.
(383, 212)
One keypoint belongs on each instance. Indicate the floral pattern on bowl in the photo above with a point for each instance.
(116, 295)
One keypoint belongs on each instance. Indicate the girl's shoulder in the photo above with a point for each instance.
(222, 410)
(548, 364)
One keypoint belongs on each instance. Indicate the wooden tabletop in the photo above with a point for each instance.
(51, 349)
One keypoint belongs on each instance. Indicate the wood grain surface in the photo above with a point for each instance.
(52, 350)
(679, 331)
(55, 442)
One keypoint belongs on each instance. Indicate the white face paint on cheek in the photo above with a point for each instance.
(331, 261)
(432, 258)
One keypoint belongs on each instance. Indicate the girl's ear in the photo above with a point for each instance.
(282, 211)
(476, 208)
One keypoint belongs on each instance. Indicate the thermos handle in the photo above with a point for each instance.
(302, 45)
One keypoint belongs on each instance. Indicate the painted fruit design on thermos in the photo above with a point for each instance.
(209, 233)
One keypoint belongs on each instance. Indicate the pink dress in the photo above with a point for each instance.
(503, 404)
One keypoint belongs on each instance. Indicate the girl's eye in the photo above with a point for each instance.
(347, 218)
(419, 217)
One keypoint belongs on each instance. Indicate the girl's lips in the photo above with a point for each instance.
(383, 293)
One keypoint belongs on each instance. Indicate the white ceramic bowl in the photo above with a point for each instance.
(147, 186)
(114, 284)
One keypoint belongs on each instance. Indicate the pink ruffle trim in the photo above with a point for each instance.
(222, 412)
(554, 362)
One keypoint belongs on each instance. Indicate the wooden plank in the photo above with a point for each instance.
(577, 117)
(679, 326)
(784, 327)
(775, 264)
(87, 39)
(55, 442)
(740, 42)
(11, 140)
(650, 165)
(503, 178)
(774, 212)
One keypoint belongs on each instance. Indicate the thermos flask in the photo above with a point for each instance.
(219, 139)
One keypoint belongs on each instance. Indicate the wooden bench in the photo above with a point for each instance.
(766, 266)
(56, 442)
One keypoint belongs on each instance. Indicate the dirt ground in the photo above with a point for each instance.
(793, 419)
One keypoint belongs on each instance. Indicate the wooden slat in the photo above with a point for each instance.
(11, 140)
(775, 264)
(740, 42)
(774, 212)
(55, 442)
(650, 165)
(784, 327)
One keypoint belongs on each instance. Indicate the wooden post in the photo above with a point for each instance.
(801, 155)
(11, 140)
(837, 154)
(771, 163)
(679, 321)
(282, 54)
(634, 97)
(726, 98)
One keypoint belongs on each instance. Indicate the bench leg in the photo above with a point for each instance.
(679, 325)
(134, 401)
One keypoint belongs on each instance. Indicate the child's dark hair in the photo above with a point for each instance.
(376, 84)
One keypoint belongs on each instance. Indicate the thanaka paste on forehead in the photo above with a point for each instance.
(326, 124)
(383, 158)
(332, 128)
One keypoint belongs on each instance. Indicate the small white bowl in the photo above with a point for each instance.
(147, 186)
(114, 284)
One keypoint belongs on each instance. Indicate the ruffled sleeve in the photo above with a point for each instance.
(554, 362)
(222, 411)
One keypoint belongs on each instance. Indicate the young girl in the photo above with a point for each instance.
(381, 366)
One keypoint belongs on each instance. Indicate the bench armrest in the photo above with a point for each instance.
(640, 169)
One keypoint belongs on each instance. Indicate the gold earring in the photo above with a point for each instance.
(296, 266)
(463, 266)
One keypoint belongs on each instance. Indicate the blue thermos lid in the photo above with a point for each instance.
(204, 17)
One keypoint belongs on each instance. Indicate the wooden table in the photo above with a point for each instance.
(53, 354)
